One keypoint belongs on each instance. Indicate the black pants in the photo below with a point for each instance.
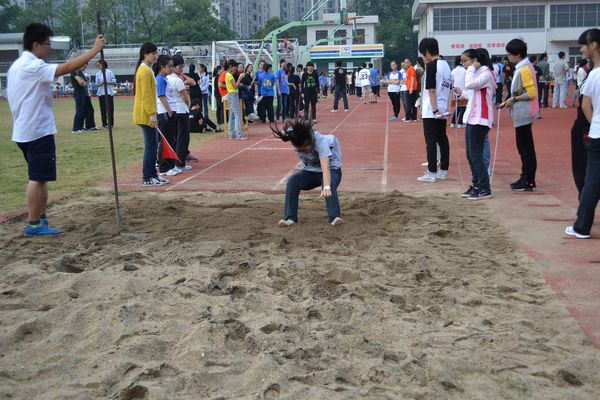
(544, 93)
(457, 116)
(292, 106)
(579, 153)
(220, 113)
(340, 91)
(182, 140)
(358, 91)
(499, 90)
(474, 142)
(84, 113)
(310, 104)
(591, 190)
(108, 116)
(168, 127)
(266, 108)
(395, 99)
(526, 149)
(411, 109)
(435, 135)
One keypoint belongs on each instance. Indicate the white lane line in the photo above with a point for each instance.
(270, 148)
(384, 176)
(285, 178)
(214, 165)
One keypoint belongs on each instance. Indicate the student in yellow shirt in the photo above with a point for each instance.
(144, 112)
(235, 114)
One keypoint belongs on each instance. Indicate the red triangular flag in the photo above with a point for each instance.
(167, 150)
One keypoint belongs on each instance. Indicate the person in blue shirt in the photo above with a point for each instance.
(282, 90)
(321, 157)
(374, 81)
(266, 83)
(108, 115)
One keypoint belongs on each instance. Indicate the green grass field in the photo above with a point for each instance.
(83, 161)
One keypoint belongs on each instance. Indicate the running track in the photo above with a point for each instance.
(382, 155)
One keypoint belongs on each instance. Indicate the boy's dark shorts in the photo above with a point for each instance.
(40, 155)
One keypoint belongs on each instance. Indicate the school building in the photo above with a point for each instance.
(360, 46)
(546, 26)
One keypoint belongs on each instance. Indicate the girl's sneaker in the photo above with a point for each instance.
(468, 193)
(428, 177)
(480, 195)
(285, 223)
(40, 230)
(337, 221)
(162, 180)
(571, 232)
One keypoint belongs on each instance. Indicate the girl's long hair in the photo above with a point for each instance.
(162, 60)
(146, 48)
(298, 131)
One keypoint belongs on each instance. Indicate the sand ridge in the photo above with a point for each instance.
(414, 298)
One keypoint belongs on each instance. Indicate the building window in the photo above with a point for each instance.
(340, 34)
(574, 15)
(459, 19)
(361, 37)
(518, 17)
(322, 34)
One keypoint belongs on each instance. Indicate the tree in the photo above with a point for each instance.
(395, 30)
(9, 16)
(192, 21)
(273, 23)
(38, 11)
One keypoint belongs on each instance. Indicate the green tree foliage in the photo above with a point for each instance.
(192, 21)
(9, 16)
(273, 23)
(396, 26)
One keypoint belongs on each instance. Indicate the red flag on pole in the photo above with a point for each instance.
(167, 150)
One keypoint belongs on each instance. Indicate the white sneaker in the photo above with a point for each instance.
(334, 111)
(442, 175)
(285, 223)
(171, 172)
(337, 221)
(177, 170)
(428, 177)
(571, 232)
(424, 164)
(346, 110)
(452, 126)
(459, 126)
(314, 121)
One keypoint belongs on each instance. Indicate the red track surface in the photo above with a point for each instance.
(382, 155)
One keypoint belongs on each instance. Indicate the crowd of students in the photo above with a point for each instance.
(164, 94)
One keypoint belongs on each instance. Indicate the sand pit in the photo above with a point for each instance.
(414, 298)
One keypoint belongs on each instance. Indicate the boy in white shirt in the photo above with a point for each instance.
(30, 100)
(438, 82)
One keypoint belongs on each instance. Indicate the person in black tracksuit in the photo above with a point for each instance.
(310, 91)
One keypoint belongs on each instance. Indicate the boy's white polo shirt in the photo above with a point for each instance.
(30, 98)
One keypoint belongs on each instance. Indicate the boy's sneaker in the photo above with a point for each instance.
(428, 177)
(185, 168)
(191, 158)
(442, 175)
(393, 118)
(480, 195)
(241, 137)
(452, 126)
(523, 187)
(40, 230)
(337, 221)
(162, 180)
(460, 126)
(94, 129)
(285, 223)
(334, 111)
(77, 132)
(468, 193)
(177, 169)
(571, 232)
(171, 172)
(517, 182)
(346, 110)
(152, 182)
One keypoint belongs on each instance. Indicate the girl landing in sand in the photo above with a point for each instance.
(321, 158)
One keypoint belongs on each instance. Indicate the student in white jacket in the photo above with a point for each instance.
(480, 85)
